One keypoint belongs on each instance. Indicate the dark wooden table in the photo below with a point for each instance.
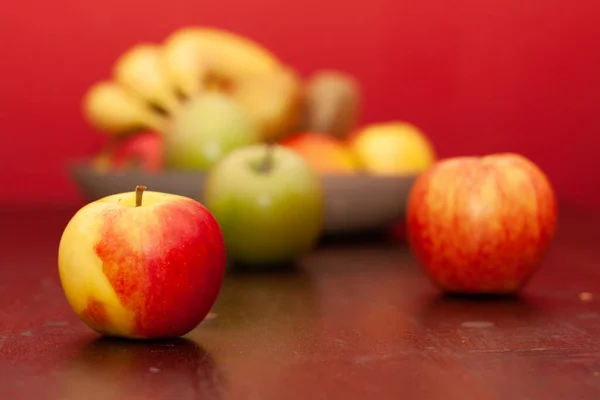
(353, 321)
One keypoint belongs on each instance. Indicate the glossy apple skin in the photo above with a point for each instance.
(326, 154)
(481, 225)
(266, 217)
(142, 272)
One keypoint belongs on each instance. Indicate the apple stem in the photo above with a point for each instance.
(139, 192)
(268, 160)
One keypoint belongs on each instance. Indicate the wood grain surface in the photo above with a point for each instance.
(352, 320)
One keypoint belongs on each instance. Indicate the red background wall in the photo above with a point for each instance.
(477, 75)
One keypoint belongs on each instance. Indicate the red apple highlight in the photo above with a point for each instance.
(136, 267)
(481, 225)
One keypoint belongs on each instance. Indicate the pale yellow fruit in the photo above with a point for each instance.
(393, 148)
(110, 108)
(273, 99)
(141, 71)
(81, 273)
(191, 51)
(183, 63)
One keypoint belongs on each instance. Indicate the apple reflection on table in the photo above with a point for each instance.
(112, 368)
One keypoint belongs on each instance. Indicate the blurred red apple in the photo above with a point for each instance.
(481, 225)
(143, 151)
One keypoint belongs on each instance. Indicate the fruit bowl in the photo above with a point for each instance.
(174, 110)
(353, 203)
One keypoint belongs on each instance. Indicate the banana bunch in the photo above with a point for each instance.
(150, 83)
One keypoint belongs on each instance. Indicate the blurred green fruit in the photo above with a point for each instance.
(205, 129)
(268, 202)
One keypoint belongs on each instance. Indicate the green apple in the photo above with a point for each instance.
(205, 129)
(268, 202)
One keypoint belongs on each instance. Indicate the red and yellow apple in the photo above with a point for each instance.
(142, 151)
(392, 148)
(142, 267)
(481, 225)
(326, 154)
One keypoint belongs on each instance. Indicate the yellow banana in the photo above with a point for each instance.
(141, 70)
(110, 108)
(191, 51)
